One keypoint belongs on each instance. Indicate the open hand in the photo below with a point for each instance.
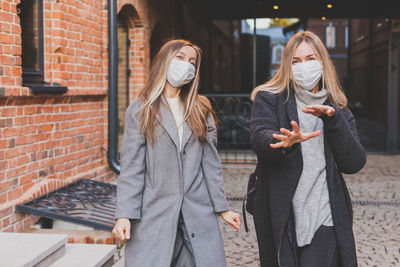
(232, 218)
(289, 138)
(122, 229)
(319, 110)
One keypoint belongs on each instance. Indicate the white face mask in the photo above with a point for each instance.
(307, 74)
(180, 73)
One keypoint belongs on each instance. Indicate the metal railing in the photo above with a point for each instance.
(233, 114)
(85, 202)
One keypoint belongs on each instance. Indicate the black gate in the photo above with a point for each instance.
(233, 113)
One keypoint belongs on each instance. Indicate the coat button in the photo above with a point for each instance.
(184, 152)
(192, 235)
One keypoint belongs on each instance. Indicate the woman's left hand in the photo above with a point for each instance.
(232, 218)
(319, 110)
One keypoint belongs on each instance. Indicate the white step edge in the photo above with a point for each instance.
(87, 255)
(20, 249)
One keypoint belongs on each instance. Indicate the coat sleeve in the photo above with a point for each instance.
(341, 132)
(263, 124)
(130, 182)
(212, 169)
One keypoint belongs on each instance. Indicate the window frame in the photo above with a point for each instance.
(31, 75)
(35, 79)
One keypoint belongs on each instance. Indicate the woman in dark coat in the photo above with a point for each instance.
(304, 138)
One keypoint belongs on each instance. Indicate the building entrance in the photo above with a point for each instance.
(241, 53)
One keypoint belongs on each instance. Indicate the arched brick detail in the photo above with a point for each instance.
(139, 52)
(139, 6)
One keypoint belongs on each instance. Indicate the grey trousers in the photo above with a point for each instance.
(183, 255)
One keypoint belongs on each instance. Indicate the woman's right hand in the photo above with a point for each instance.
(122, 229)
(289, 138)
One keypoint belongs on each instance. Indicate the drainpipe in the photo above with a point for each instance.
(254, 52)
(112, 87)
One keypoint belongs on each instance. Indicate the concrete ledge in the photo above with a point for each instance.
(19, 249)
(86, 255)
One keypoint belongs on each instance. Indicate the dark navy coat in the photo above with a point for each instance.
(279, 171)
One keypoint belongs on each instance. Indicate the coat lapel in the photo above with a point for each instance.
(167, 121)
(187, 133)
(291, 108)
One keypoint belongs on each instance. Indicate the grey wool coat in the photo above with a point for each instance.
(159, 181)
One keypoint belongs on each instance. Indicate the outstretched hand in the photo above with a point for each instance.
(289, 138)
(319, 110)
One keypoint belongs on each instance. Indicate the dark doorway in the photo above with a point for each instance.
(359, 49)
(123, 72)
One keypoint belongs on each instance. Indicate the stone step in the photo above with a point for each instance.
(19, 249)
(80, 236)
(87, 255)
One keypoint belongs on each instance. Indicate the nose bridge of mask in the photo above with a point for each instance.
(182, 68)
(308, 68)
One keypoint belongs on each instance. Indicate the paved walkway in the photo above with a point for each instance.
(376, 193)
(375, 190)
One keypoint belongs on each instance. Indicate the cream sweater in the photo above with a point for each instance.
(178, 111)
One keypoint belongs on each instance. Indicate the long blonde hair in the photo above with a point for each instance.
(197, 108)
(283, 80)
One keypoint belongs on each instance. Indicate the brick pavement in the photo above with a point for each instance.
(376, 192)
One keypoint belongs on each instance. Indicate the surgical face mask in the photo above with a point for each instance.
(307, 74)
(180, 73)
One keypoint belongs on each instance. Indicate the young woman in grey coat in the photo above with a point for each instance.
(305, 138)
(170, 189)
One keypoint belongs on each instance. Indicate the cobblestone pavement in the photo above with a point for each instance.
(375, 191)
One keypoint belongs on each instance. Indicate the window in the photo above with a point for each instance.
(30, 13)
(31, 16)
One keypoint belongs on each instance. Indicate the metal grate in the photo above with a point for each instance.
(86, 202)
(233, 113)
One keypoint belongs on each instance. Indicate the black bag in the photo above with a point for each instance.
(248, 199)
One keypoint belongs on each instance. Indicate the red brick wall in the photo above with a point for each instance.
(47, 141)
(10, 50)
(140, 62)
(75, 46)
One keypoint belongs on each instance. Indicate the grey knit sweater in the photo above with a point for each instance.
(311, 199)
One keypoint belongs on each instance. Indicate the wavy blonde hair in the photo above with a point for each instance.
(283, 80)
(197, 108)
